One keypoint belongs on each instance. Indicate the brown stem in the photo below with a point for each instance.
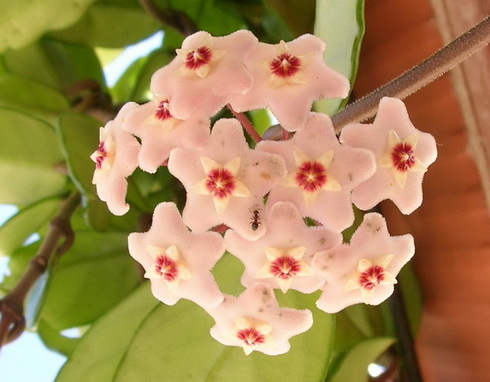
(170, 17)
(12, 321)
(419, 76)
(246, 124)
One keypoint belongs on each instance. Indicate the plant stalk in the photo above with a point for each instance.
(419, 76)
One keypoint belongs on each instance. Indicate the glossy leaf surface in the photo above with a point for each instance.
(143, 332)
(340, 23)
(29, 159)
(91, 278)
(23, 21)
(15, 231)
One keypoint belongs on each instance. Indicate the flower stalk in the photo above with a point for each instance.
(419, 76)
(12, 321)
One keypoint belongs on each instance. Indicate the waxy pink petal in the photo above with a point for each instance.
(199, 252)
(160, 132)
(255, 322)
(371, 245)
(120, 150)
(288, 77)
(390, 128)
(287, 234)
(258, 173)
(206, 92)
(328, 201)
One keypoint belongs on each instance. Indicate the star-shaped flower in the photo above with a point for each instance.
(177, 261)
(282, 257)
(402, 152)
(255, 322)
(288, 77)
(365, 270)
(321, 172)
(206, 70)
(160, 132)
(115, 159)
(225, 180)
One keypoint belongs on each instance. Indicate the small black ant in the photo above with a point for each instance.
(255, 223)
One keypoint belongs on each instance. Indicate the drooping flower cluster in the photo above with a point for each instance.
(264, 196)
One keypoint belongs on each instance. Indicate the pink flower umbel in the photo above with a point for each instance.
(321, 172)
(365, 270)
(160, 132)
(206, 70)
(115, 159)
(255, 322)
(288, 77)
(225, 180)
(177, 261)
(282, 257)
(403, 155)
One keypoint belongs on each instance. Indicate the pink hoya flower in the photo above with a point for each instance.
(403, 155)
(365, 270)
(115, 159)
(288, 77)
(282, 257)
(160, 132)
(206, 70)
(177, 261)
(321, 172)
(225, 180)
(255, 322)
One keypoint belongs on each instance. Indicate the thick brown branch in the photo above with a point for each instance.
(12, 321)
(170, 17)
(419, 76)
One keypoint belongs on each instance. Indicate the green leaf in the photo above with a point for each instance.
(91, 278)
(29, 158)
(340, 23)
(219, 19)
(216, 17)
(355, 364)
(134, 84)
(359, 317)
(15, 231)
(54, 340)
(261, 120)
(23, 21)
(73, 62)
(54, 63)
(141, 337)
(299, 15)
(108, 339)
(79, 138)
(412, 296)
(35, 300)
(110, 25)
(38, 98)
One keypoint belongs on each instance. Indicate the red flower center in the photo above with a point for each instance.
(311, 176)
(285, 267)
(285, 65)
(100, 156)
(220, 183)
(166, 267)
(371, 277)
(197, 58)
(250, 336)
(402, 156)
(162, 112)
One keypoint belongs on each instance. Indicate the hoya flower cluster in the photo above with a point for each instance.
(262, 197)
